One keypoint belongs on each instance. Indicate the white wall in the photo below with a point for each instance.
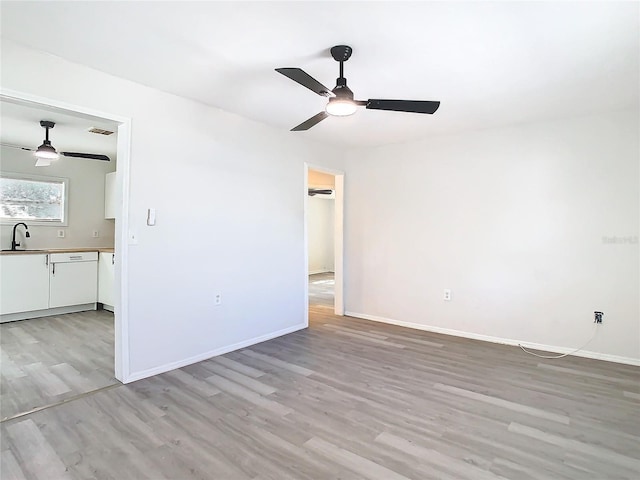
(320, 224)
(230, 209)
(86, 202)
(514, 222)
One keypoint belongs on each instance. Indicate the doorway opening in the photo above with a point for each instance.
(324, 239)
(58, 342)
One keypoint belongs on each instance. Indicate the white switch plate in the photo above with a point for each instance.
(151, 217)
(447, 295)
(217, 299)
(60, 233)
(95, 234)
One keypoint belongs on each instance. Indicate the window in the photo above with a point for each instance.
(33, 199)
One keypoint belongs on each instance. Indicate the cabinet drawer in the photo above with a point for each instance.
(73, 257)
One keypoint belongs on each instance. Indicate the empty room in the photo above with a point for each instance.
(345, 240)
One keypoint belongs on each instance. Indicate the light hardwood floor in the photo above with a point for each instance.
(347, 399)
(51, 359)
(321, 289)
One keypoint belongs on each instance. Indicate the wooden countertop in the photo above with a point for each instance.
(58, 250)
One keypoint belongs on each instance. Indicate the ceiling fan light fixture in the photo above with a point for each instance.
(43, 162)
(341, 107)
(47, 151)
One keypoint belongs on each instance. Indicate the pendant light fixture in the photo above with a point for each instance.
(46, 150)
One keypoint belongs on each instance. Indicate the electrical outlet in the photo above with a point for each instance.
(597, 317)
(60, 233)
(447, 295)
(95, 234)
(217, 299)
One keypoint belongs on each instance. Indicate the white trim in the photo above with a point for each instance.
(210, 354)
(121, 277)
(48, 312)
(504, 341)
(21, 98)
(338, 288)
(305, 230)
(338, 237)
(122, 354)
(322, 270)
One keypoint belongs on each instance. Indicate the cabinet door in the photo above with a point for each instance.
(73, 284)
(24, 283)
(106, 275)
(110, 195)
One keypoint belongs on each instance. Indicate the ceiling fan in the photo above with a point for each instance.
(319, 191)
(341, 102)
(46, 153)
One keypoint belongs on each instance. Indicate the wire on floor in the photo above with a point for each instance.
(552, 357)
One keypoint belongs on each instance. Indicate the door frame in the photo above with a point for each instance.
(338, 237)
(121, 318)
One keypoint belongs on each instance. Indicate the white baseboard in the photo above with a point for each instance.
(212, 353)
(49, 312)
(505, 341)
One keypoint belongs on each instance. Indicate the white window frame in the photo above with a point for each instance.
(40, 222)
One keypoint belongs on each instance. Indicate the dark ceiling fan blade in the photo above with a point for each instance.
(317, 191)
(91, 156)
(17, 146)
(307, 124)
(414, 106)
(303, 78)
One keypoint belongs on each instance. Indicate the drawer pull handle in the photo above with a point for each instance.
(46, 260)
(53, 269)
(75, 257)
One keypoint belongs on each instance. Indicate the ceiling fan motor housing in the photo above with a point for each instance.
(341, 91)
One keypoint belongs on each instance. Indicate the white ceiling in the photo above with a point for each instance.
(489, 63)
(21, 127)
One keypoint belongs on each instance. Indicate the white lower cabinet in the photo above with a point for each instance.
(73, 279)
(39, 282)
(24, 283)
(106, 276)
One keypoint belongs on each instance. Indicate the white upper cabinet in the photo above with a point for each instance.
(110, 196)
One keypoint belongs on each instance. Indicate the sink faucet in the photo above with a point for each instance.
(15, 244)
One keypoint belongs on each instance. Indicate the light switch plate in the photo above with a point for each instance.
(151, 217)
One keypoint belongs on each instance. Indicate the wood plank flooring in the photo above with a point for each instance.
(321, 289)
(346, 399)
(47, 360)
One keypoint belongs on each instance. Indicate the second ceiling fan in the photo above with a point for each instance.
(45, 153)
(341, 102)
